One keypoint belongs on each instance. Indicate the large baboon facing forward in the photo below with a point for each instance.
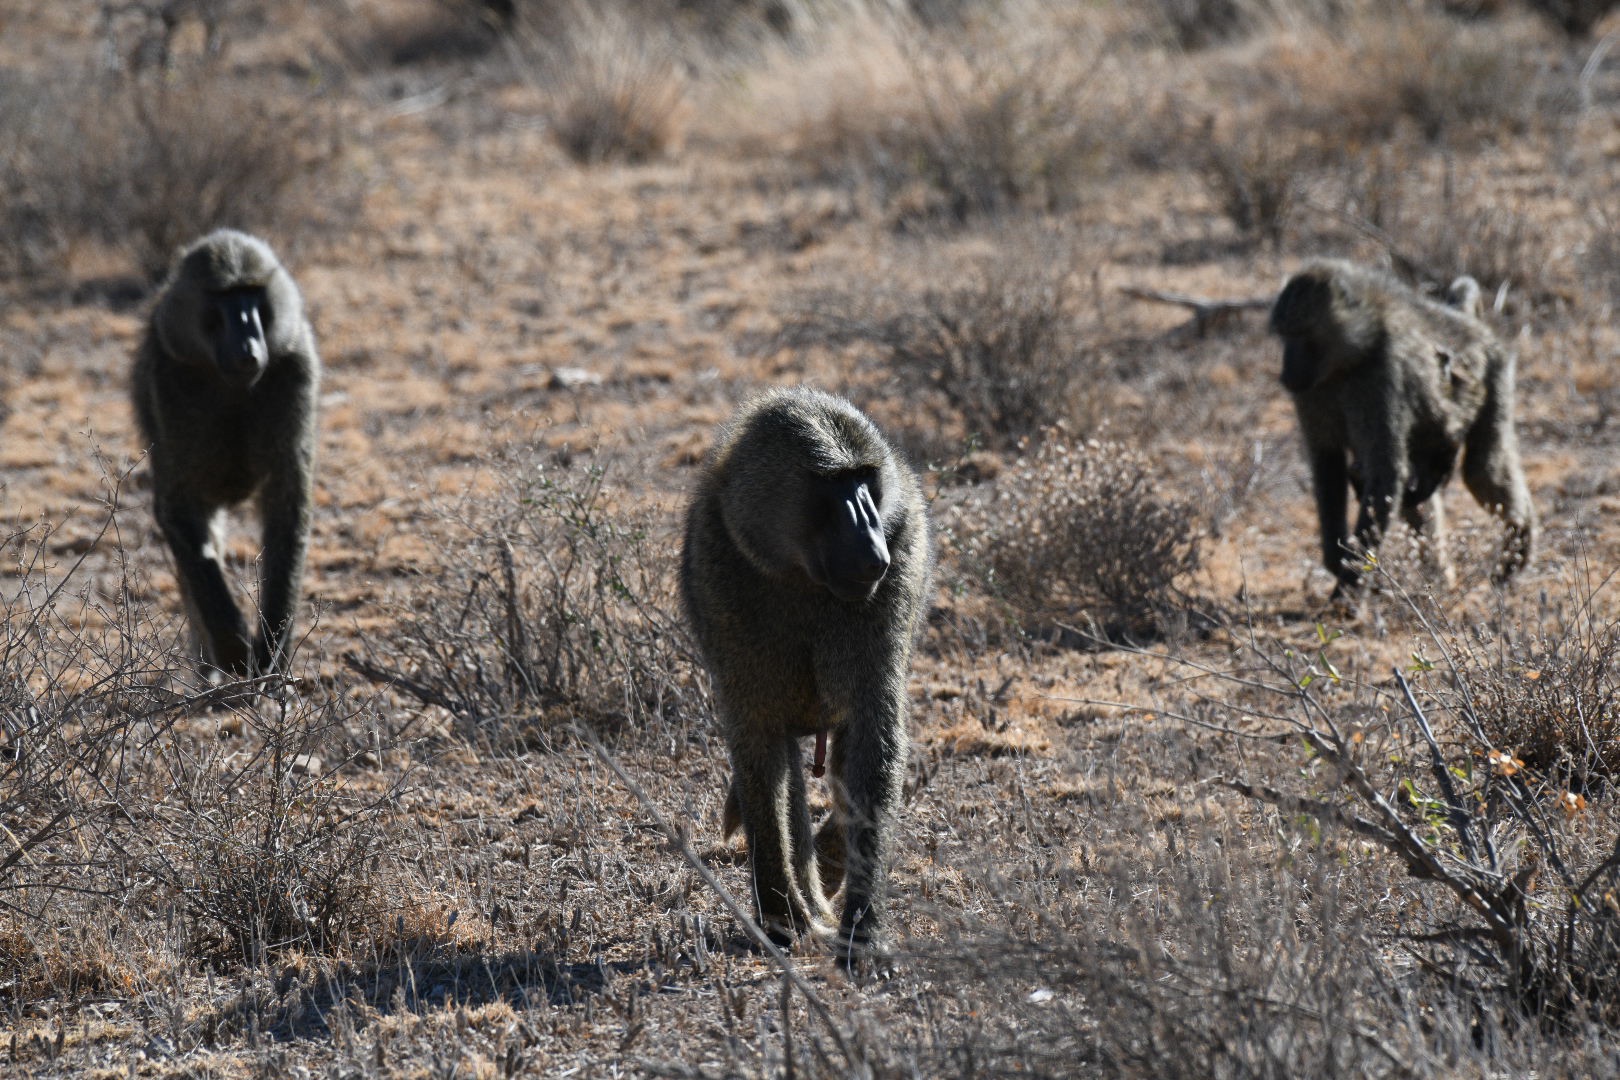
(805, 576)
(225, 386)
(1389, 387)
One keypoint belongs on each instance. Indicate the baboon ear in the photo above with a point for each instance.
(1464, 295)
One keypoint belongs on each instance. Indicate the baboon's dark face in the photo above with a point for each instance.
(848, 555)
(236, 322)
(1301, 366)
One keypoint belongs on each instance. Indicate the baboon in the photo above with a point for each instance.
(225, 384)
(805, 576)
(1389, 387)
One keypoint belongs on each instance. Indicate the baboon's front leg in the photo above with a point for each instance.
(1330, 481)
(874, 746)
(1427, 520)
(832, 837)
(284, 507)
(1495, 476)
(215, 618)
(1383, 486)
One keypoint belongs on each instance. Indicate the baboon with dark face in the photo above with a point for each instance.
(1389, 387)
(805, 577)
(225, 386)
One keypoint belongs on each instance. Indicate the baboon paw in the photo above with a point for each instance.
(863, 958)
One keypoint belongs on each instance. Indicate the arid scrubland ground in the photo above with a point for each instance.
(1170, 813)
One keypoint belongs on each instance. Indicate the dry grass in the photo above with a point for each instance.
(611, 84)
(438, 871)
(943, 121)
(1084, 531)
(995, 343)
(556, 602)
(156, 162)
(1380, 76)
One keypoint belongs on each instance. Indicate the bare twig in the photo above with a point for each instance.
(383, 676)
(678, 837)
(1207, 313)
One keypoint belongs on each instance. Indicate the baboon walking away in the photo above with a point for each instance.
(225, 390)
(1390, 388)
(805, 576)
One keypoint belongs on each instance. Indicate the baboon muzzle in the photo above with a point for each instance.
(1299, 367)
(241, 350)
(855, 555)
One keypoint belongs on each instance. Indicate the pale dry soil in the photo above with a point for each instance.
(493, 294)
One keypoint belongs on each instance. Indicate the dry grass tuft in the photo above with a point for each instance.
(155, 163)
(612, 86)
(946, 120)
(1082, 528)
(1377, 77)
(556, 604)
(996, 345)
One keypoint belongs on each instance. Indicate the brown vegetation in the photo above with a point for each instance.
(475, 828)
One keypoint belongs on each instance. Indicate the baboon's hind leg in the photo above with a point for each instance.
(763, 781)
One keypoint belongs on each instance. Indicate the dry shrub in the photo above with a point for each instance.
(1193, 24)
(1254, 175)
(1439, 225)
(444, 31)
(265, 841)
(1082, 527)
(1550, 696)
(1367, 81)
(1504, 875)
(1211, 952)
(153, 164)
(557, 603)
(612, 87)
(1576, 18)
(1600, 261)
(84, 685)
(116, 795)
(999, 346)
(951, 120)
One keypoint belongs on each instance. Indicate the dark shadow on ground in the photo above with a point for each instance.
(300, 1002)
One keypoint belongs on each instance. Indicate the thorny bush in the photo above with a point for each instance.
(153, 164)
(1083, 528)
(557, 603)
(998, 345)
(1511, 895)
(265, 841)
